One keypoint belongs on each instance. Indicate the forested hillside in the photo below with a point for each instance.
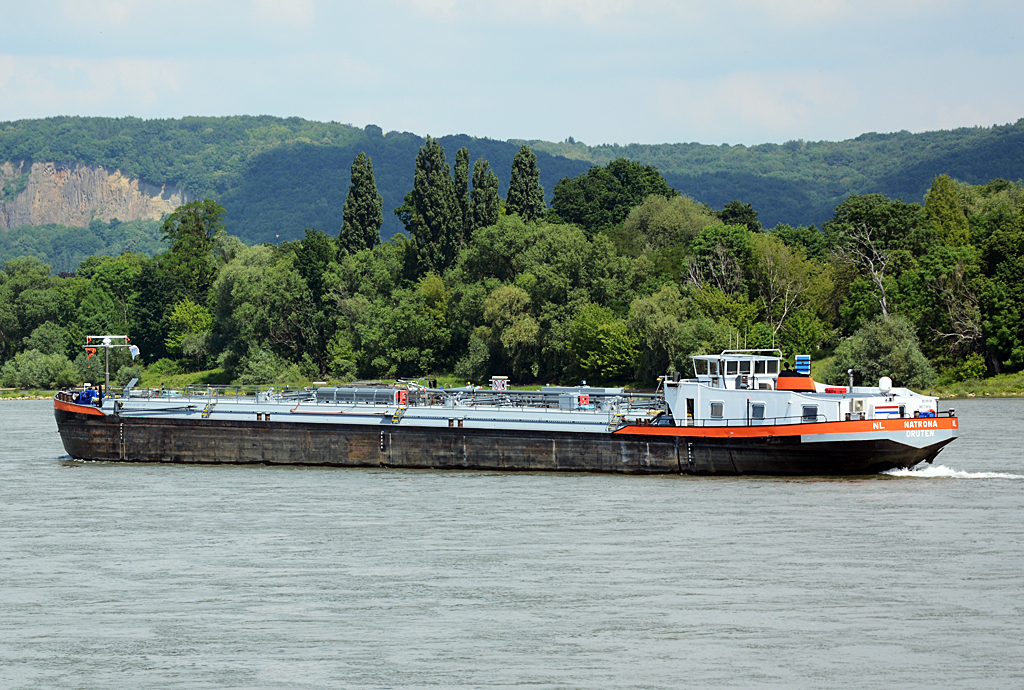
(800, 182)
(622, 279)
(275, 177)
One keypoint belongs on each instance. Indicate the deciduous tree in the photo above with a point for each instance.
(190, 232)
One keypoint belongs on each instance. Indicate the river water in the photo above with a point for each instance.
(142, 576)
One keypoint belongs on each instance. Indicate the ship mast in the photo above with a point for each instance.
(107, 342)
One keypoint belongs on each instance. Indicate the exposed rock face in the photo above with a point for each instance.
(75, 194)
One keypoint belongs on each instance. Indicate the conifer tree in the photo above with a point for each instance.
(486, 202)
(461, 173)
(431, 210)
(942, 207)
(525, 195)
(363, 211)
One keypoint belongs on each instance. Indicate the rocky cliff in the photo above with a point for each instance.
(74, 194)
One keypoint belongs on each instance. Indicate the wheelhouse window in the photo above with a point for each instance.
(759, 366)
(773, 366)
(745, 367)
(757, 411)
(714, 368)
(730, 367)
(700, 367)
(810, 413)
(717, 410)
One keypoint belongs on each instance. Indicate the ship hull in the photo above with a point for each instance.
(88, 434)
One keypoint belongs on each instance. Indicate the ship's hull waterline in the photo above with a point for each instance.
(88, 434)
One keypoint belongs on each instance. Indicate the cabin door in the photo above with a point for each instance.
(689, 412)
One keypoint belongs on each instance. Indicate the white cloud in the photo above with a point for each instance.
(776, 102)
(590, 12)
(290, 12)
(102, 11)
(818, 11)
(47, 85)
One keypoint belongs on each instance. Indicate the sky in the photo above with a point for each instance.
(600, 71)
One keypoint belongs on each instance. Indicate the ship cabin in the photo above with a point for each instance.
(751, 388)
(739, 369)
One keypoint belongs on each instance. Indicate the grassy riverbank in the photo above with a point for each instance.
(1001, 386)
(19, 394)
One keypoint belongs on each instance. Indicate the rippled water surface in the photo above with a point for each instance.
(141, 576)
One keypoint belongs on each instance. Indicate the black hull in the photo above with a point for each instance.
(205, 441)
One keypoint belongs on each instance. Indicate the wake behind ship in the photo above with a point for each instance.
(740, 415)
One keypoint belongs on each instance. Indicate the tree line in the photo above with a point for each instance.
(621, 279)
(278, 176)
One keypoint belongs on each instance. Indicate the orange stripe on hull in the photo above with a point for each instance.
(852, 427)
(80, 409)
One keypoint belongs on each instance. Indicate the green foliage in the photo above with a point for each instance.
(971, 367)
(262, 366)
(13, 187)
(485, 200)
(882, 347)
(431, 213)
(738, 213)
(670, 328)
(603, 197)
(525, 195)
(807, 238)
(50, 339)
(190, 335)
(894, 224)
(33, 369)
(313, 256)
(125, 374)
(604, 348)
(238, 159)
(721, 258)
(461, 179)
(944, 210)
(514, 328)
(190, 232)
(660, 222)
(362, 213)
(650, 278)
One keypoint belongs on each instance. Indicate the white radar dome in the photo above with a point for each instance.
(885, 385)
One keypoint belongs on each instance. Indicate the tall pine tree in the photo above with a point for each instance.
(525, 195)
(431, 211)
(363, 212)
(486, 202)
(461, 173)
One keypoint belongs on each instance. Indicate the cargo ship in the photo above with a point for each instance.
(740, 414)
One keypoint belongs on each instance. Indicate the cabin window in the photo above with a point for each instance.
(700, 367)
(773, 366)
(810, 413)
(757, 411)
(730, 367)
(759, 366)
(745, 367)
(718, 410)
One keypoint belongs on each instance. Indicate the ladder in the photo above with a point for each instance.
(615, 422)
(209, 408)
(399, 413)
